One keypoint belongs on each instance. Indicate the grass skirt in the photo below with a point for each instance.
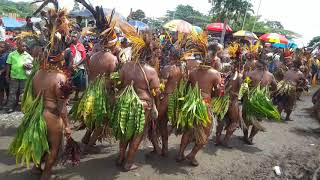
(285, 95)
(93, 107)
(257, 106)
(128, 117)
(192, 114)
(30, 142)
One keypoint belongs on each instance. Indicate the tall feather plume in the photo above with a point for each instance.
(137, 41)
(104, 26)
(197, 44)
(233, 49)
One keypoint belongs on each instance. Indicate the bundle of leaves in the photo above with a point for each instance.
(128, 117)
(28, 96)
(194, 111)
(30, 142)
(220, 106)
(175, 103)
(258, 104)
(93, 107)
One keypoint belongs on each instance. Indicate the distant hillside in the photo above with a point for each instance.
(22, 9)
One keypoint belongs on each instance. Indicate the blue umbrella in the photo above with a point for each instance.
(138, 24)
(12, 23)
(291, 44)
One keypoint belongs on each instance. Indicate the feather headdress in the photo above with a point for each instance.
(196, 44)
(233, 48)
(253, 47)
(57, 28)
(105, 26)
(143, 45)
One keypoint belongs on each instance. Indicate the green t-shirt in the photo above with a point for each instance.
(17, 61)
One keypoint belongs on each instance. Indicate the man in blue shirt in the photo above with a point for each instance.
(4, 86)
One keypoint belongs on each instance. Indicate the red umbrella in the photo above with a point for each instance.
(218, 27)
(274, 38)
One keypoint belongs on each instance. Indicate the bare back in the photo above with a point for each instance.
(249, 66)
(294, 77)
(102, 62)
(48, 83)
(207, 79)
(262, 77)
(132, 73)
(173, 75)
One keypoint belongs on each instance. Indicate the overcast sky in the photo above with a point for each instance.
(296, 15)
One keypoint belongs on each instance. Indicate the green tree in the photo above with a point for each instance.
(274, 24)
(314, 41)
(187, 13)
(233, 10)
(138, 15)
(22, 9)
(155, 23)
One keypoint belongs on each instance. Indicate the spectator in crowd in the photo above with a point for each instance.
(4, 86)
(78, 56)
(2, 31)
(18, 62)
(29, 25)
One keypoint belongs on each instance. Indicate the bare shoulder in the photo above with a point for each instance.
(149, 69)
(214, 72)
(61, 77)
(127, 65)
(166, 68)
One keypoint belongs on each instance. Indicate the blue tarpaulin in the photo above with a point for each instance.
(11, 23)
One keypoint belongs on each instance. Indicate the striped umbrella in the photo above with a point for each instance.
(243, 33)
(178, 26)
(291, 44)
(274, 38)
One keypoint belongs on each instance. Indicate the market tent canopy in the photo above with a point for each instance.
(218, 27)
(11, 23)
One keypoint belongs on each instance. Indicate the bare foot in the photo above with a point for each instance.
(130, 167)
(36, 170)
(192, 160)
(180, 158)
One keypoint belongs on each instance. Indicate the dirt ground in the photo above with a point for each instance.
(294, 146)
